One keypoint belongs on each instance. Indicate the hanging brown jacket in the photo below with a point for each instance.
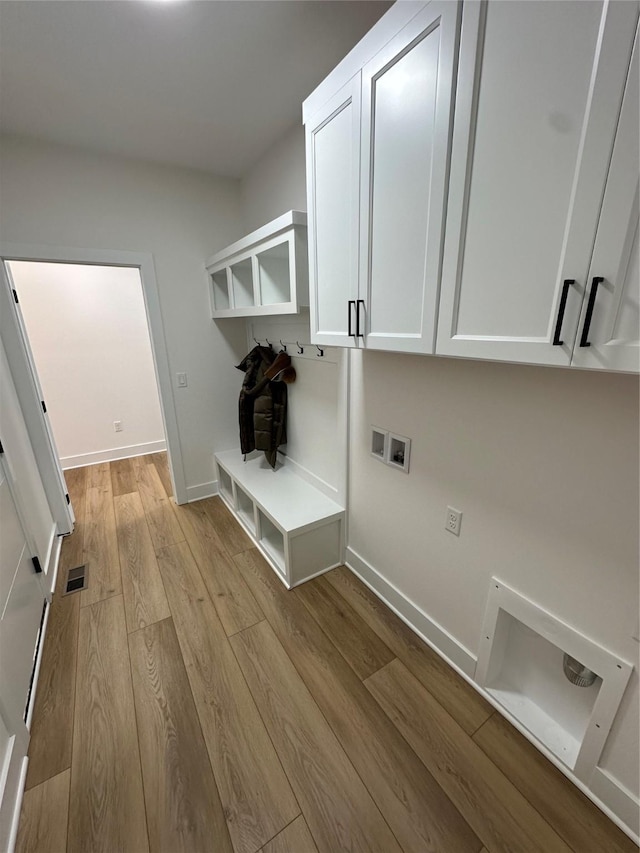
(262, 406)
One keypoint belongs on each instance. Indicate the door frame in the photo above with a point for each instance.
(144, 263)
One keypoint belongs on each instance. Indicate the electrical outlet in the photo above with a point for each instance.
(453, 520)
(117, 425)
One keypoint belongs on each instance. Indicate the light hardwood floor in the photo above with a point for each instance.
(188, 702)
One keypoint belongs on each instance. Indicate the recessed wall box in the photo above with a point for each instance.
(398, 452)
(379, 441)
(521, 666)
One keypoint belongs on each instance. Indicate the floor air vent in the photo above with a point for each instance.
(76, 580)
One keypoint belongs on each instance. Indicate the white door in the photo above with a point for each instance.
(24, 479)
(32, 403)
(333, 182)
(21, 609)
(407, 91)
(538, 98)
(14, 742)
(609, 330)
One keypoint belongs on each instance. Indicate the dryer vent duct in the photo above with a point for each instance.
(577, 673)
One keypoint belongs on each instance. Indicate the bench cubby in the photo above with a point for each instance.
(296, 527)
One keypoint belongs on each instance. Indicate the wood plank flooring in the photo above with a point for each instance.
(188, 702)
(45, 810)
(184, 811)
(106, 780)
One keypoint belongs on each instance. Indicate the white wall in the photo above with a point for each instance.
(89, 337)
(61, 196)
(276, 183)
(315, 409)
(543, 463)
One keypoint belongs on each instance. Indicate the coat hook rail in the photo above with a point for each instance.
(285, 344)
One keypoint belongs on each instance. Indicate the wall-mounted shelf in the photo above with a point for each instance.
(520, 664)
(265, 272)
(299, 530)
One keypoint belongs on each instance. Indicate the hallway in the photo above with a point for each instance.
(188, 702)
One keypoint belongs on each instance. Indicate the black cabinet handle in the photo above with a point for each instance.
(584, 340)
(557, 342)
(349, 304)
(359, 334)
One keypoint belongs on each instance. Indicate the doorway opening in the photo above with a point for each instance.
(91, 330)
(89, 338)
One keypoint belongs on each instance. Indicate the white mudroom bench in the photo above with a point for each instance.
(297, 528)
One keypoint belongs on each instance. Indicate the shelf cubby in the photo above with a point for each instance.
(274, 275)
(242, 283)
(264, 273)
(225, 486)
(271, 540)
(245, 510)
(220, 290)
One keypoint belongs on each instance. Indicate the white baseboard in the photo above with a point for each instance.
(619, 804)
(202, 490)
(112, 455)
(433, 634)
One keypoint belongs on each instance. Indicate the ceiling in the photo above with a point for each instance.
(208, 85)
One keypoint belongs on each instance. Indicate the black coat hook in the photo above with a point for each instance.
(284, 346)
(300, 349)
(320, 352)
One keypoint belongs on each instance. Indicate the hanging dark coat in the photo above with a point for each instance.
(262, 406)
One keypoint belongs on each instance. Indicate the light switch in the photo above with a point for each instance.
(182, 380)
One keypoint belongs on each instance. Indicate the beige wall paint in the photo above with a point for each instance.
(61, 196)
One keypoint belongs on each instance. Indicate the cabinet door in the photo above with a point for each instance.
(333, 181)
(538, 97)
(407, 93)
(610, 323)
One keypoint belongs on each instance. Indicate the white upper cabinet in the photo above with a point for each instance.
(609, 329)
(407, 93)
(538, 100)
(377, 161)
(333, 182)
